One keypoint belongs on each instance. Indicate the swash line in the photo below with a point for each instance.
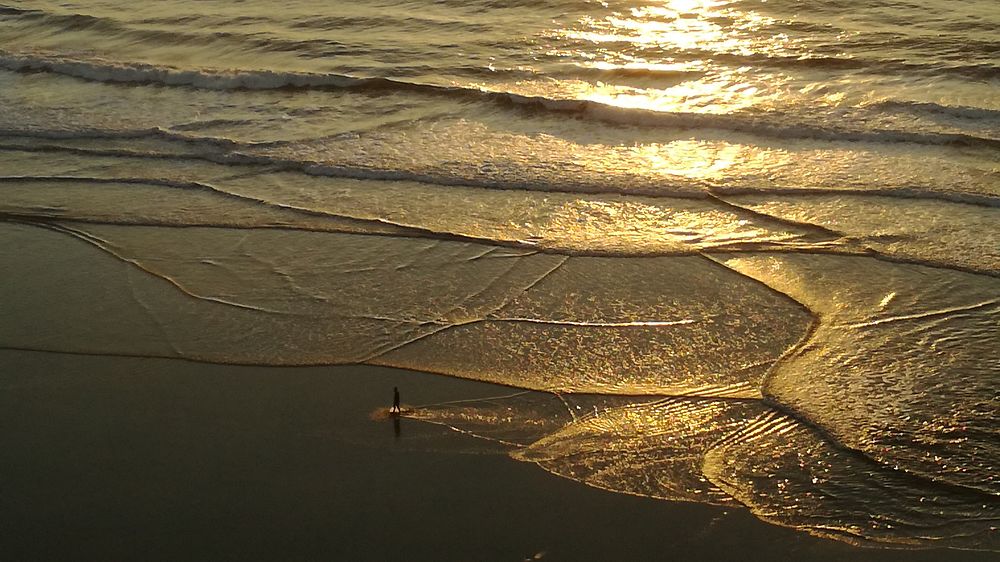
(320, 169)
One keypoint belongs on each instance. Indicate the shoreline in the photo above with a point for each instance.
(165, 459)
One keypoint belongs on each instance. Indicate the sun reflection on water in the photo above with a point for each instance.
(682, 65)
(682, 57)
(685, 37)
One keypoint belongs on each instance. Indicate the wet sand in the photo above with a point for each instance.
(152, 459)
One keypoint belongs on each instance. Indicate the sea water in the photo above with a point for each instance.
(751, 246)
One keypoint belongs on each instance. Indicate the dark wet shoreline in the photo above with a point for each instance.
(129, 459)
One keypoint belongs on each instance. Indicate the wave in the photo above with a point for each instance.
(155, 133)
(979, 200)
(231, 152)
(952, 111)
(235, 205)
(832, 57)
(932, 55)
(772, 124)
(67, 22)
(115, 28)
(103, 70)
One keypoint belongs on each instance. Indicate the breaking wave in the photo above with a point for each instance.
(772, 124)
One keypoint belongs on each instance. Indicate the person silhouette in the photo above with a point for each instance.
(395, 402)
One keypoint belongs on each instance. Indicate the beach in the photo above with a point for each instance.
(697, 278)
(160, 459)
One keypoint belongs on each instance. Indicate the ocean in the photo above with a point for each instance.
(741, 254)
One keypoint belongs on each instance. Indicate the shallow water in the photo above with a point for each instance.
(755, 244)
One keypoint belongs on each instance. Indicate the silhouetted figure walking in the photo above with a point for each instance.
(395, 402)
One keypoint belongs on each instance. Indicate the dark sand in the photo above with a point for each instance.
(139, 459)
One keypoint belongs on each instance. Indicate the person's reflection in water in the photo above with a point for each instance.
(395, 427)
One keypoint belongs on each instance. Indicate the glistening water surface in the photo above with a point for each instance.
(732, 253)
